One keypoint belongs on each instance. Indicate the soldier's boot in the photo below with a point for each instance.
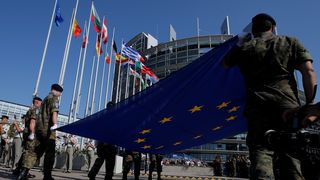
(47, 176)
(150, 176)
(23, 174)
(16, 171)
(91, 176)
(124, 176)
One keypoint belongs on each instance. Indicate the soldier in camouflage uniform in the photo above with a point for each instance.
(106, 153)
(155, 161)
(30, 120)
(129, 158)
(267, 62)
(44, 139)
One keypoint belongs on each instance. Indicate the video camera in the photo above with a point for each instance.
(304, 142)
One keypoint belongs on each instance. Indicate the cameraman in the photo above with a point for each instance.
(267, 62)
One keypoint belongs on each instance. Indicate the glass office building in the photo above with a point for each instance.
(10, 109)
(166, 58)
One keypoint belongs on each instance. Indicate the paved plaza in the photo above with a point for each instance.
(58, 174)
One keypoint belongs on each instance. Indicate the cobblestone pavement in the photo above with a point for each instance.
(6, 174)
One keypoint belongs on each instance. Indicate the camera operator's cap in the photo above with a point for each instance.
(37, 98)
(4, 117)
(262, 17)
(56, 87)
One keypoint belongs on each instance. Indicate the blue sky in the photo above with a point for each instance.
(24, 27)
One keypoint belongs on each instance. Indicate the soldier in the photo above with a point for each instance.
(217, 168)
(29, 119)
(17, 141)
(4, 128)
(267, 63)
(106, 153)
(70, 142)
(44, 138)
(90, 147)
(155, 161)
(131, 157)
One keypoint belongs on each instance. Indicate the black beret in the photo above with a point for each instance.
(56, 87)
(37, 98)
(4, 116)
(263, 17)
(23, 116)
(110, 104)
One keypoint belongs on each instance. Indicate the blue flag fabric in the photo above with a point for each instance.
(58, 18)
(202, 102)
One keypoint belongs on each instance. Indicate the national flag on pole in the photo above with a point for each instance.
(121, 59)
(131, 53)
(114, 46)
(84, 41)
(104, 32)
(76, 29)
(98, 47)
(107, 58)
(95, 19)
(58, 18)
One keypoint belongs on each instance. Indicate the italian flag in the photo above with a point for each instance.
(95, 19)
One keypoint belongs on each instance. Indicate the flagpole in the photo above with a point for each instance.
(97, 72)
(102, 81)
(118, 79)
(109, 68)
(84, 60)
(73, 108)
(89, 90)
(35, 93)
(134, 82)
(127, 82)
(81, 75)
(66, 48)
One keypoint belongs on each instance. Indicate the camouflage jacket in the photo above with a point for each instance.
(49, 105)
(267, 63)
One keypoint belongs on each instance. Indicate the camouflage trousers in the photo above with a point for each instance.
(266, 164)
(34, 151)
(127, 163)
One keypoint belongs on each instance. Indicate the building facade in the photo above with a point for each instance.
(166, 58)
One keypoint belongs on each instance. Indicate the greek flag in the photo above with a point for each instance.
(130, 53)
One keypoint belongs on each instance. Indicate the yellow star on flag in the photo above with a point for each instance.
(145, 131)
(195, 109)
(234, 109)
(177, 143)
(165, 120)
(217, 128)
(223, 105)
(197, 137)
(160, 147)
(146, 147)
(140, 140)
(231, 118)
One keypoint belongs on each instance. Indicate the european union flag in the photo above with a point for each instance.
(202, 102)
(58, 18)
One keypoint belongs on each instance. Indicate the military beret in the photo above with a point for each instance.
(56, 87)
(263, 17)
(4, 116)
(37, 98)
(110, 104)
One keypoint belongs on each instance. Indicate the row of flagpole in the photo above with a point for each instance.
(108, 81)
